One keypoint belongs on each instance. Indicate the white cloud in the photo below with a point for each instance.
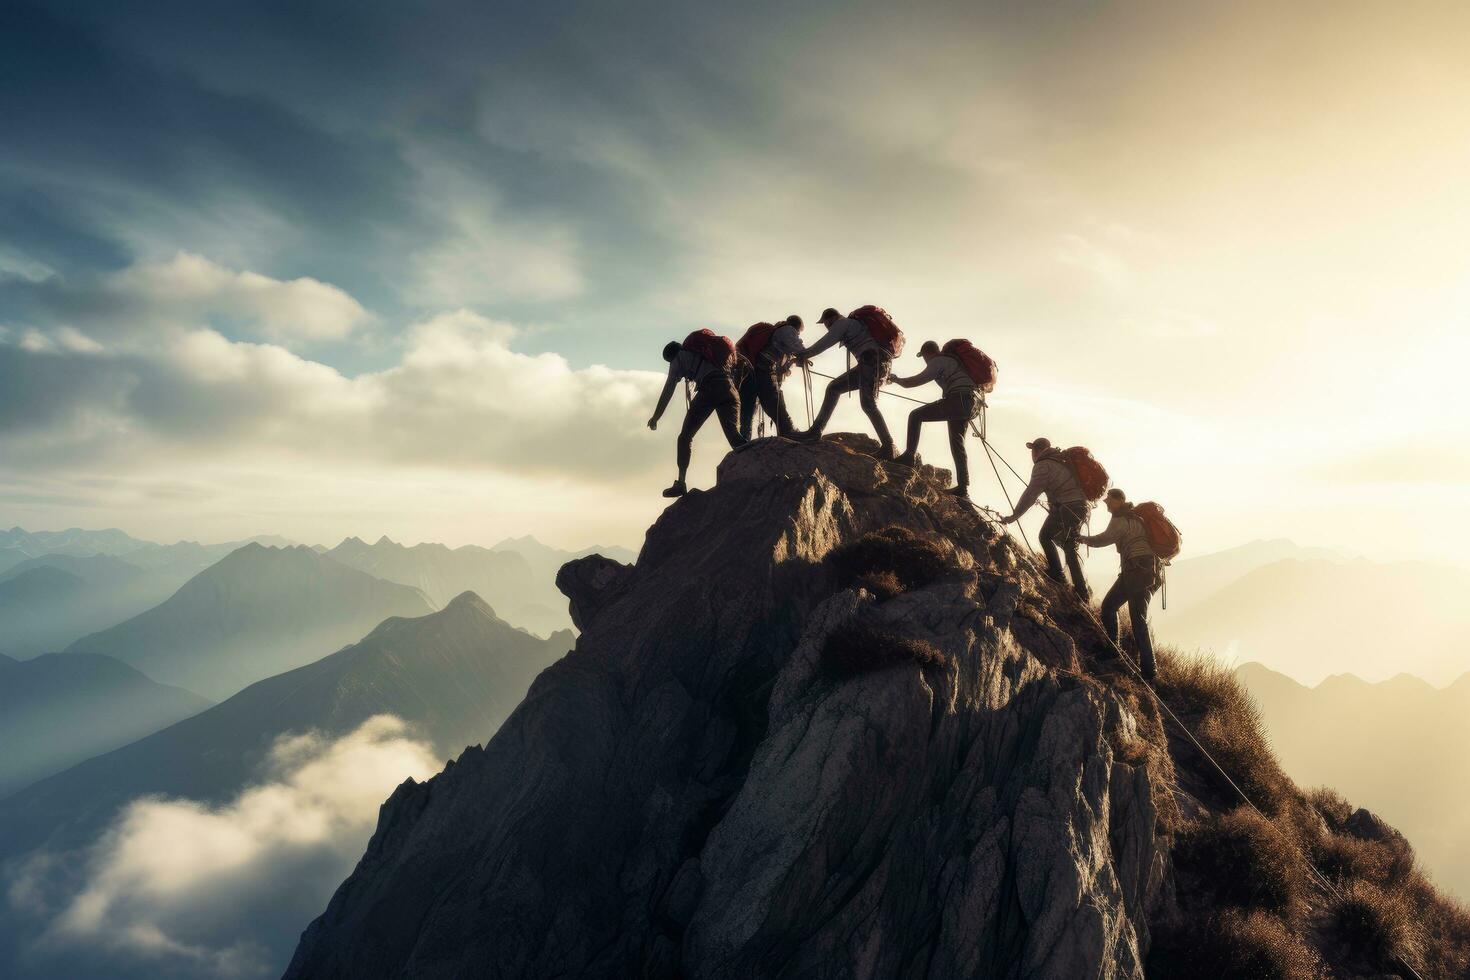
(189, 287)
(178, 880)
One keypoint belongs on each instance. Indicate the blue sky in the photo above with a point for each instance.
(321, 269)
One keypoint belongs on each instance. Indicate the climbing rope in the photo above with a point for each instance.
(991, 517)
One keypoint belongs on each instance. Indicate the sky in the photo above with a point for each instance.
(319, 269)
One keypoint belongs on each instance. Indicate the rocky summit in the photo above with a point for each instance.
(698, 790)
(761, 760)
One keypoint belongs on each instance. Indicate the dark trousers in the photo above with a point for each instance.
(957, 410)
(716, 393)
(1136, 584)
(1060, 530)
(763, 386)
(869, 375)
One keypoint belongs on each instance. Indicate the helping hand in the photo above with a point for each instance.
(1008, 520)
(653, 423)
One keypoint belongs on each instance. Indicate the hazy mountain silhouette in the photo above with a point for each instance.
(517, 576)
(1397, 747)
(1310, 618)
(48, 602)
(1194, 580)
(61, 708)
(257, 612)
(502, 578)
(455, 674)
(180, 560)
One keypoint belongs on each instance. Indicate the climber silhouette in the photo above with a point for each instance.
(960, 403)
(1139, 576)
(772, 350)
(872, 337)
(705, 359)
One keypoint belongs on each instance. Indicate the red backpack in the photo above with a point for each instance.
(1089, 472)
(757, 336)
(977, 364)
(880, 327)
(1163, 537)
(711, 346)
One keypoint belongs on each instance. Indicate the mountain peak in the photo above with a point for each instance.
(732, 765)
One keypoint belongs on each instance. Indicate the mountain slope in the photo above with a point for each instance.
(257, 612)
(503, 579)
(1310, 618)
(834, 725)
(455, 674)
(1379, 744)
(61, 708)
(48, 602)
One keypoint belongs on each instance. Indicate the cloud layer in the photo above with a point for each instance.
(224, 891)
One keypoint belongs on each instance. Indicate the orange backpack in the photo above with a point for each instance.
(880, 327)
(979, 365)
(1163, 537)
(757, 336)
(1089, 472)
(709, 345)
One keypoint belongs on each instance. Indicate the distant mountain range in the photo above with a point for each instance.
(58, 709)
(257, 612)
(454, 675)
(47, 602)
(1394, 747)
(1312, 616)
(517, 576)
(180, 560)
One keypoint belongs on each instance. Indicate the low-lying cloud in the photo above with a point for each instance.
(225, 890)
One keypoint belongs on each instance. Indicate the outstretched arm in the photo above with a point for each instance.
(832, 336)
(929, 373)
(666, 394)
(1109, 535)
(1028, 497)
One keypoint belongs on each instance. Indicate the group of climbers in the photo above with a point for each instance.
(730, 379)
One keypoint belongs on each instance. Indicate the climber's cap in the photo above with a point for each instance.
(1116, 494)
(1041, 443)
(929, 349)
(828, 315)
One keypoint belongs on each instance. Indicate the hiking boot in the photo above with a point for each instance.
(806, 435)
(1149, 673)
(906, 459)
(961, 492)
(677, 489)
(885, 453)
(1084, 596)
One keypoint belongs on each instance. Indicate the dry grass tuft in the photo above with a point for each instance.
(857, 648)
(909, 560)
(1378, 925)
(1258, 946)
(1244, 861)
(1332, 805)
(884, 585)
(1224, 717)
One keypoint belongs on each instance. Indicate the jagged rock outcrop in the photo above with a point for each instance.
(692, 792)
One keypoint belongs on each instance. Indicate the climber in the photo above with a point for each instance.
(874, 361)
(959, 404)
(705, 359)
(772, 350)
(1138, 575)
(1052, 475)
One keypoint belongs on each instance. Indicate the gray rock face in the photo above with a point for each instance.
(692, 793)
